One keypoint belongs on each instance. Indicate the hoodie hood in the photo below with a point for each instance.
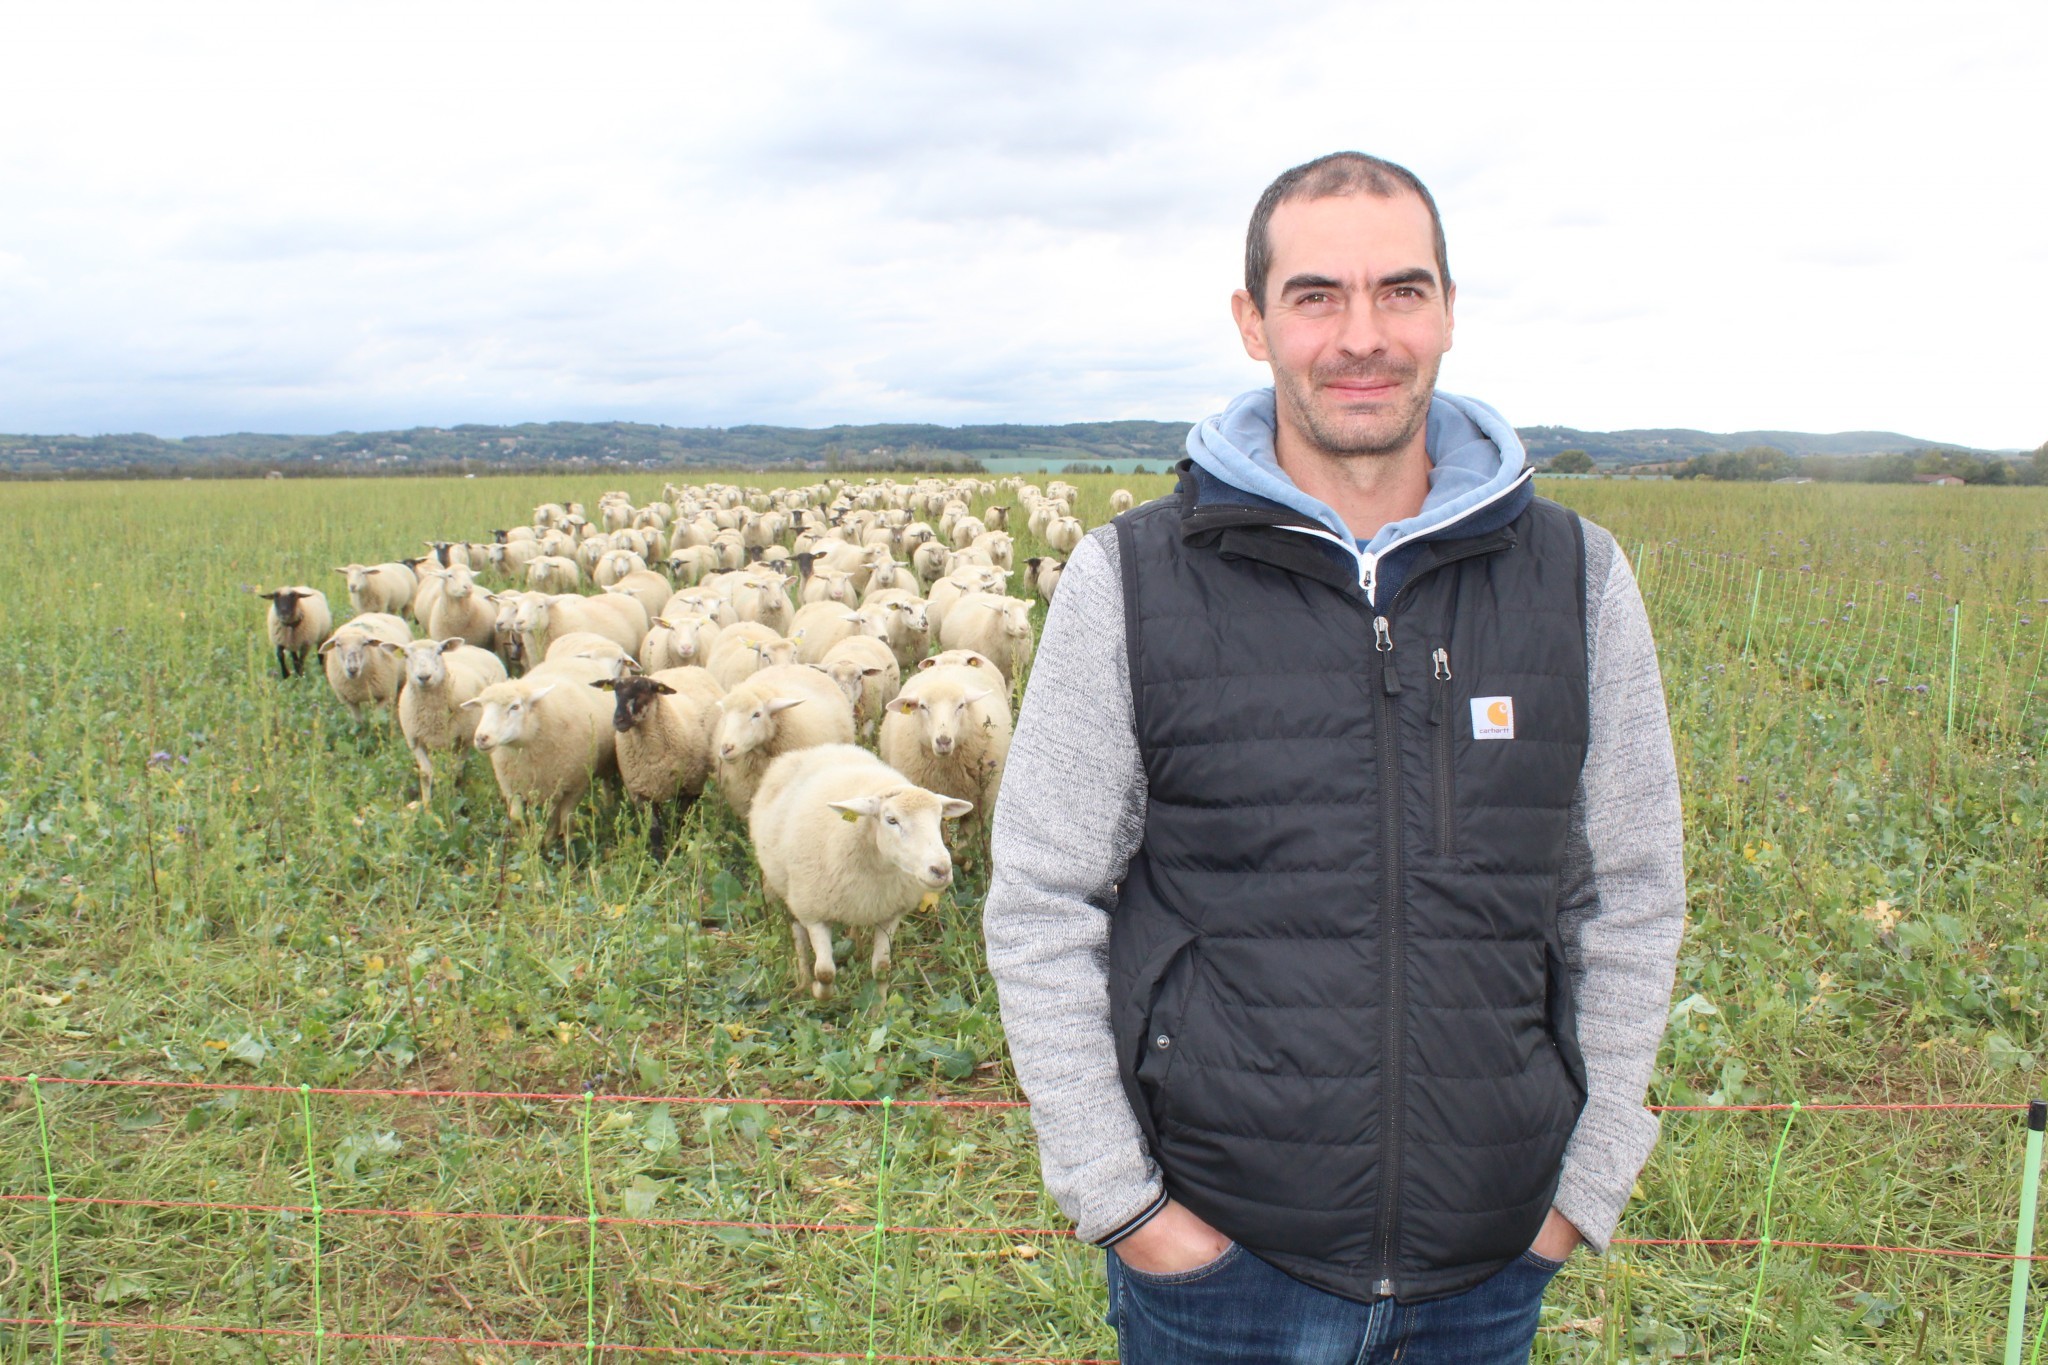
(1474, 458)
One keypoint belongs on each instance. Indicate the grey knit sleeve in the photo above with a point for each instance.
(1070, 813)
(1621, 908)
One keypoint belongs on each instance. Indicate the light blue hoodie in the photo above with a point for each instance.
(1474, 458)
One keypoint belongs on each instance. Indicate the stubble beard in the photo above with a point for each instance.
(1351, 437)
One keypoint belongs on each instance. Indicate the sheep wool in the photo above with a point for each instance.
(298, 620)
(361, 674)
(842, 838)
(949, 730)
(549, 736)
(440, 675)
(774, 712)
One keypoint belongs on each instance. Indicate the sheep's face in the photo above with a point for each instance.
(508, 719)
(838, 585)
(1016, 618)
(284, 603)
(848, 674)
(348, 650)
(424, 664)
(941, 716)
(771, 653)
(686, 636)
(458, 581)
(745, 726)
(906, 827)
(530, 618)
(632, 698)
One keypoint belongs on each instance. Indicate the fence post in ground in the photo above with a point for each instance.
(1755, 593)
(1763, 1241)
(1955, 643)
(2023, 1252)
(35, 1087)
(881, 1222)
(313, 1189)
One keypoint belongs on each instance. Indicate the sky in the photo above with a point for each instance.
(308, 217)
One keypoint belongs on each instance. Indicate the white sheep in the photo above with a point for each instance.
(994, 626)
(744, 650)
(868, 674)
(662, 733)
(762, 596)
(956, 585)
(1042, 575)
(779, 709)
(440, 675)
(678, 641)
(1121, 501)
(949, 730)
(384, 588)
(613, 565)
(549, 735)
(646, 587)
(360, 673)
(298, 620)
(843, 839)
(899, 620)
(553, 574)
(820, 625)
(462, 610)
(613, 615)
(1064, 533)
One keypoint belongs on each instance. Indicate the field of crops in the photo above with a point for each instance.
(211, 877)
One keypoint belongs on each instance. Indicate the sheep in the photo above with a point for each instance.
(964, 531)
(779, 709)
(360, 673)
(1042, 575)
(931, 561)
(827, 584)
(761, 596)
(583, 644)
(744, 650)
(664, 747)
(961, 658)
(949, 730)
(842, 838)
(956, 585)
(1000, 548)
(688, 565)
(554, 574)
(387, 588)
(462, 611)
(997, 627)
(1121, 501)
(1063, 534)
(704, 601)
(868, 674)
(613, 565)
(613, 615)
(901, 624)
(678, 641)
(297, 621)
(440, 675)
(506, 641)
(821, 625)
(548, 736)
(646, 587)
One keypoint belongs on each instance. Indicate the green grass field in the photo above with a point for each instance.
(206, 875)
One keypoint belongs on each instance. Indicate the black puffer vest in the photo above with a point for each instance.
(1338, 995)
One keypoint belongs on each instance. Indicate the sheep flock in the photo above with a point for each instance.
(745, 642)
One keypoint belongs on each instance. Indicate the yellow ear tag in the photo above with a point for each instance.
(931, 898)
(848, 816)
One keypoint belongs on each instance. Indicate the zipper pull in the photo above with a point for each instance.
(1440, 669)
(1441, 657)
(1383, 641)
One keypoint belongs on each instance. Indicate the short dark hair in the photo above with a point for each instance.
(1338, 173)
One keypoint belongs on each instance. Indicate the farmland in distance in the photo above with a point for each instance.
(210, 876)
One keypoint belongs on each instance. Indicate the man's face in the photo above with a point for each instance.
(1356, 321)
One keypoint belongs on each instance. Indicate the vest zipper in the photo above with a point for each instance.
(1392, 965)
(1440, 748)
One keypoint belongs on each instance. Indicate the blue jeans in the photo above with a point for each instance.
(1237, 1310)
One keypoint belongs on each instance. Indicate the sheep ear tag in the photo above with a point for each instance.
(930, 899)
(849, 817)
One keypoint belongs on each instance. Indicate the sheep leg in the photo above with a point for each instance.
(658, 832)
(802, 942)
(823, 972)
(426, 767)
(284, 671)
(883, 933)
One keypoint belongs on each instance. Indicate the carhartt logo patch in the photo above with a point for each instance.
(1493, 718)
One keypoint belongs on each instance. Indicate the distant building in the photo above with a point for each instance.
(1941, 480)
(1795, 478)
(275, 474)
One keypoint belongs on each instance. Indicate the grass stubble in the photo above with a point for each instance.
(209, 875)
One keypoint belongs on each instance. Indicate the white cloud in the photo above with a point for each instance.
(302, 217)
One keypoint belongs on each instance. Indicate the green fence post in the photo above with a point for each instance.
(590, 1253)
(1754, 595)
(35, 1087)
(881, 1223)
(1955, 641)
(313, 1187)
(2023, 1251)
(1764, 1241)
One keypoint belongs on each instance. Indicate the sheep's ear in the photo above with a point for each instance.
(328, 644)
(389, 646)
(663, 622)
(923, 664)
(907, 705)
(606, 684)
(952, 808)
(852, 616)
(780, 704)
(661, 687)
(472, 703)
(969, 698)
(871, 672)
(542, 691)
(455, 643)
(266, 596)
(858, 806)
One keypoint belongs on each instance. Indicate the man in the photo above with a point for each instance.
(1337, 884)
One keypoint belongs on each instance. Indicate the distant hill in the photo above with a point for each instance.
(1660, 444)
(542, 446)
